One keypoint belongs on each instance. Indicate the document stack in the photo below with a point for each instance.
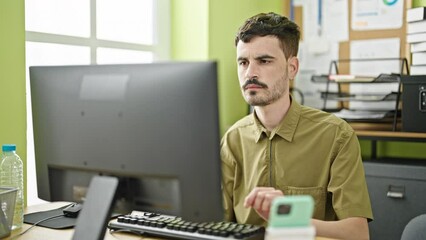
(416, 36)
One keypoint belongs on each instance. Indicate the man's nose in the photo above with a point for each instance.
(252, 71)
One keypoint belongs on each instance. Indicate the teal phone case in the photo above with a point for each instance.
(291, 211)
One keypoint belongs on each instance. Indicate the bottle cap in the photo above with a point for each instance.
(8, 147)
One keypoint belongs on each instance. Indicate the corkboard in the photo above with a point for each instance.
(344, 47)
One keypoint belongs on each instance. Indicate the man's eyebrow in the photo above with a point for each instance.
(241, 59)
(265, 56)
(260, 57)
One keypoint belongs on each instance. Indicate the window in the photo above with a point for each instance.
(63, 32)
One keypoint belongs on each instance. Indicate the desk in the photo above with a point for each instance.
(41, 233)
(375, 136)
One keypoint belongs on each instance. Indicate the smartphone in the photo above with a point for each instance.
(291, 211)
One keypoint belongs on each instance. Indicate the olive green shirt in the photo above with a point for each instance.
(310, 152)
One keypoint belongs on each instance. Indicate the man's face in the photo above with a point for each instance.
(262, 70)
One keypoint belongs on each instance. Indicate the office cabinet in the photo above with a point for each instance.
(414, 103)
(397, 185)
(397, 192)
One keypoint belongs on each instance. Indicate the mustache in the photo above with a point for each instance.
(255, 82)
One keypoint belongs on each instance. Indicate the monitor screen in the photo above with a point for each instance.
(154, 126)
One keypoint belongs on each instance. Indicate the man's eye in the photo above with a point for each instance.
(265, 61)
(242, 63)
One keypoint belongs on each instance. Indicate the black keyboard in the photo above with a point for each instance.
(175, 227)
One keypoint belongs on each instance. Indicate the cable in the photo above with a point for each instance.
(35, 224)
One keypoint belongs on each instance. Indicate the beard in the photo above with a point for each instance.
(265, 95)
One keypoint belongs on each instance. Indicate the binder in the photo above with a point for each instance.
(416, 14)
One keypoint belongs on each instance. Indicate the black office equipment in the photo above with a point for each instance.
(397, 191)
(72, 210)
(92, 221)
(414, 103)
(154, 126)
(177, 228)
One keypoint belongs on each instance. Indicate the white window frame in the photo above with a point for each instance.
(160, 50)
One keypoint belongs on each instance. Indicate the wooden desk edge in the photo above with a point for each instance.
(394, 134)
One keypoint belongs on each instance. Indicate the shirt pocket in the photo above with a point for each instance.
(318, 194)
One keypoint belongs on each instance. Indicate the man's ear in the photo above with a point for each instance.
(293, 67)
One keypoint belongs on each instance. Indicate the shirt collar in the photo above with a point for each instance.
(287, 127)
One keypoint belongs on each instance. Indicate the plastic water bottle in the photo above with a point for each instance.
(11, 175)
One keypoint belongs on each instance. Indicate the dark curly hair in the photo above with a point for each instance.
(265, 24)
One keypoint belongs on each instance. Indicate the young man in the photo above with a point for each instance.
(284, 148)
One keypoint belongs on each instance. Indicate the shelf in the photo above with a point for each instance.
(391, 136)
(336, 96)
(319, 78)
(344, 78)
(335, 77)
(375, 136)
(360, 115)
(398, 161)
(368, 98)
(376, 126)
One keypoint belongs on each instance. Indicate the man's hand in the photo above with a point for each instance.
(260, 199)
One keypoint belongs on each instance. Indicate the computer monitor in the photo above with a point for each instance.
(154, 126)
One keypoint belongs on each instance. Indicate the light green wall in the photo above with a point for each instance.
(394, 149)
(205, 30)
(12, 76)
(189, 31)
